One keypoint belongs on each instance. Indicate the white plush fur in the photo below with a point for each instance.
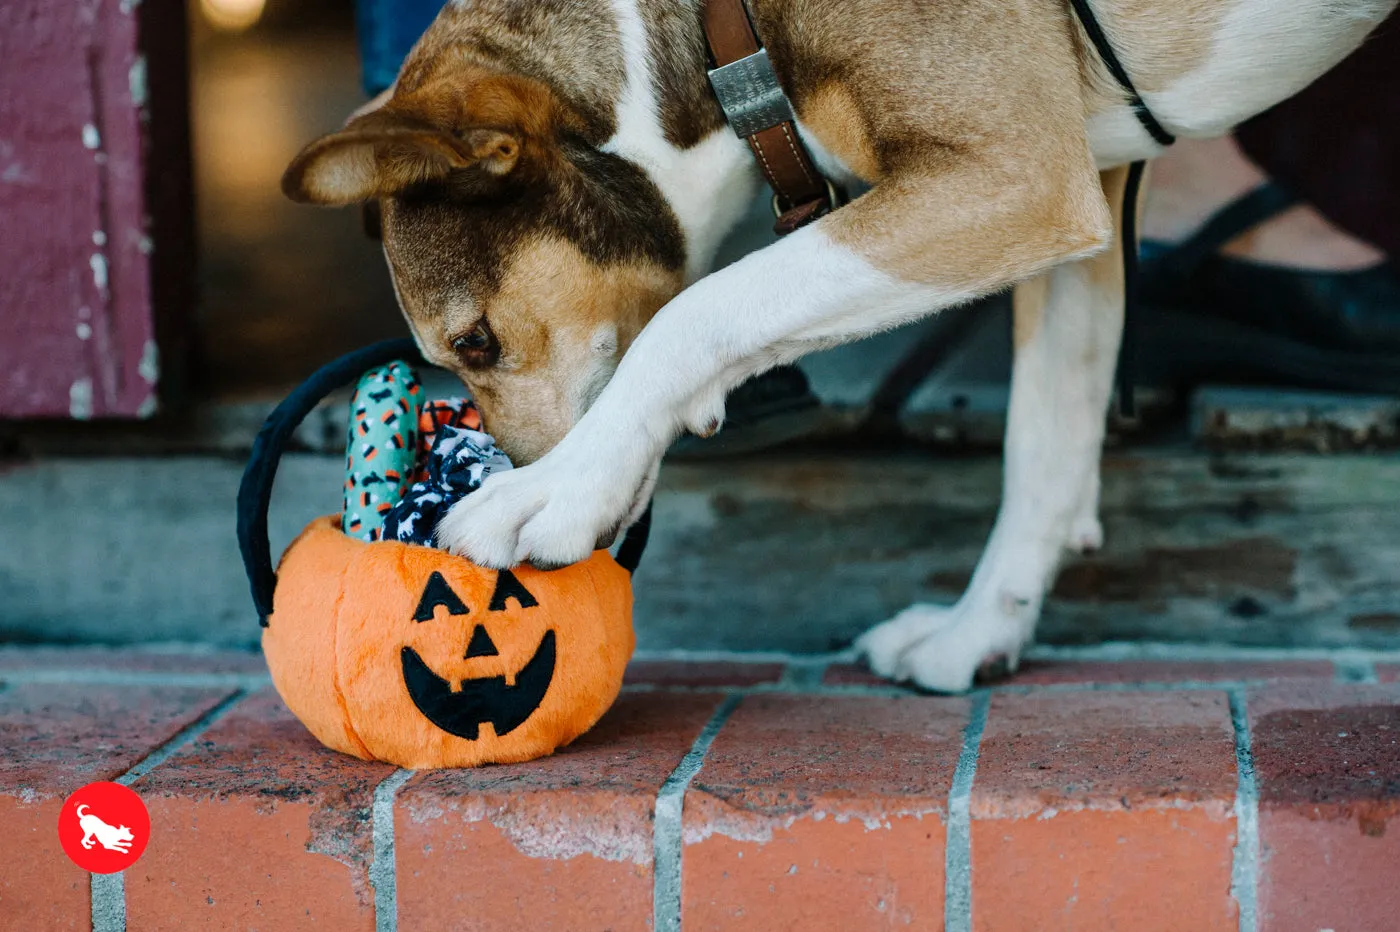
(805, 292)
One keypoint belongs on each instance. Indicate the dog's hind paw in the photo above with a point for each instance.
(1086, 536)
(883, 645)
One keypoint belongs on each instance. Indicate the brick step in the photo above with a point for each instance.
(1248, 790)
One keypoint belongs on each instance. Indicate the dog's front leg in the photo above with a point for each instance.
(917, 243)
(1068, 326)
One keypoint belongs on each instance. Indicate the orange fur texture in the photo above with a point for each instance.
(344, 611)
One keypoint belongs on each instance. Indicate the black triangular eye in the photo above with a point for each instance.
(481, 644)
(508, 587)
(438, 592)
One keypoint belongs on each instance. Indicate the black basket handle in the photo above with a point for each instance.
(255, 491)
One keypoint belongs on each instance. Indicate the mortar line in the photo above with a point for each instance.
(803, 675)
(108, 891)
(1107, 652)
(666, 840)
(383, 870)
(109, 902)
(1354, 670)
(182, 737)
(1244, 871)
(90, 677)
(192, 650)
(705, 655)
(792, 686)
(957, 853)
(1111, 651)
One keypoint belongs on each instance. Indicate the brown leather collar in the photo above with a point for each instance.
(756, 108)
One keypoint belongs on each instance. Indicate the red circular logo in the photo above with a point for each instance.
(104, 827)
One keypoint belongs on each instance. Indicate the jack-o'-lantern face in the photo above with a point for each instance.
(460, 705)
(410, 655)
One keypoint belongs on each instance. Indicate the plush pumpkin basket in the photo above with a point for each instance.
(408, 654)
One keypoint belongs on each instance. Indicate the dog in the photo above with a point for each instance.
(118, 838)
(555, 177)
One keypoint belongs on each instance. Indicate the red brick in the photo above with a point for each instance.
(259, 826)
(54, 739)
(560, 843)
(822, 813)
(1327, 758)
(851, 674)
(701, 674)
(1104, 811)
(1055, 672)
(129, 660)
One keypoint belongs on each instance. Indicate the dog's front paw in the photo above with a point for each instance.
(942, 648)
(551, 513)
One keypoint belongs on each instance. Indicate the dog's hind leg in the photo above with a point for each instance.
(1068, 326)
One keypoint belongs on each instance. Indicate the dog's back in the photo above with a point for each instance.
(1205, 66)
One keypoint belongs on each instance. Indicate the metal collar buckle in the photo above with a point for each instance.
(750, 95)
(835, 198)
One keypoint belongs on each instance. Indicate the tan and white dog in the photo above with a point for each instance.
(555, 177)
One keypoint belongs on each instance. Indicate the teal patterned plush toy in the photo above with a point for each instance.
(382, 447)
(408, 461)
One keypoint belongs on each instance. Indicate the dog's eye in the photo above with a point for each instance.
(479, 347)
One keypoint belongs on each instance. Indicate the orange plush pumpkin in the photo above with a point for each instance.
(406, 654)
(411, 655)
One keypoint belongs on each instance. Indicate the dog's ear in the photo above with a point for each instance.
(386, 152)
(471, 125)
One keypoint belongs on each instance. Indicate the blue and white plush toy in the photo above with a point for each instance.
(460, 460)
(407, 461)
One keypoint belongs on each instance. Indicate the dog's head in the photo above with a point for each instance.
(525, 257)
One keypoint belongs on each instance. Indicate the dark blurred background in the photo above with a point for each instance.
(284, 287)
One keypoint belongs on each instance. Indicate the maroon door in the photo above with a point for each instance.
(82, 207)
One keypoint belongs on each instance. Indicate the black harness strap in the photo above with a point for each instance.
(634, 544)
(1096, 35)
(255, 492)
(1127, 349)
(1128, 345)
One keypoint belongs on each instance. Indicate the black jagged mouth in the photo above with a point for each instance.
(487, 699)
